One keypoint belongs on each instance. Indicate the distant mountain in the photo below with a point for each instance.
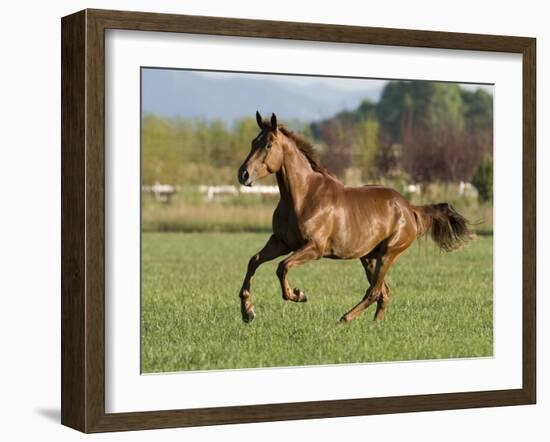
(189, 94)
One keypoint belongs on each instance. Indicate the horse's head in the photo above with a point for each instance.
(266, 153)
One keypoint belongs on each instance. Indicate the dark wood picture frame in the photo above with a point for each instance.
(83, 220)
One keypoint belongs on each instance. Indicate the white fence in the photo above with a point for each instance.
(165, 192)
(161, 192)
(464, 189)
(413, 188)
(213, 191)
(467, 189)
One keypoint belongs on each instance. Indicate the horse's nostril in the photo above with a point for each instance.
(244, 175)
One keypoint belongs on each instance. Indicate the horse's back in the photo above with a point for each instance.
(375, 196)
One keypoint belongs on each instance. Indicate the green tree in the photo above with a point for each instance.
(478, 109)
(159, 156)
(483, 179)
(219, 151)
(444, 111)
(368, 131)
(391, 107)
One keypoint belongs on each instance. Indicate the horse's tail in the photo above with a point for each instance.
(448, 228)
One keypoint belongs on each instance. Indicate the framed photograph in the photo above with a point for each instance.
(217, 173)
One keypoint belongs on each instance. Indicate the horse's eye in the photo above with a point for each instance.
(268, 146)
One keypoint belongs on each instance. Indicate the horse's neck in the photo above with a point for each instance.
(293, 177)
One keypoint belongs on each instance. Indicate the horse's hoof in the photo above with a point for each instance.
(249, 315)
(343, 320)
(300, 296)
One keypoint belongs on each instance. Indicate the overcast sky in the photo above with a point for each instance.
(230, 96)
(344, 84)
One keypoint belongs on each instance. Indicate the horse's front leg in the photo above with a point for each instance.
(307, 253)
(273, 249)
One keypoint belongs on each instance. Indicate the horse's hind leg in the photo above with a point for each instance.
(369, 264)
(378, 286)
(273, 249)
(365, 303)
(382, 303)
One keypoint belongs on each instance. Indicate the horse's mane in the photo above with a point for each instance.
(307, 149)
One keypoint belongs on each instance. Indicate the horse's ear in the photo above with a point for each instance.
(273, 122)
(259, 120)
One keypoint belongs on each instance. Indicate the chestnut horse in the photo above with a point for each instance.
(317, 216)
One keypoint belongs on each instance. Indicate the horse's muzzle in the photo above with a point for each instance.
(244, 176)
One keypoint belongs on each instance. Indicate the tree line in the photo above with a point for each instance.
(424, 131)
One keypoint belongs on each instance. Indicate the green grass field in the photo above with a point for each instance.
(441, 306)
